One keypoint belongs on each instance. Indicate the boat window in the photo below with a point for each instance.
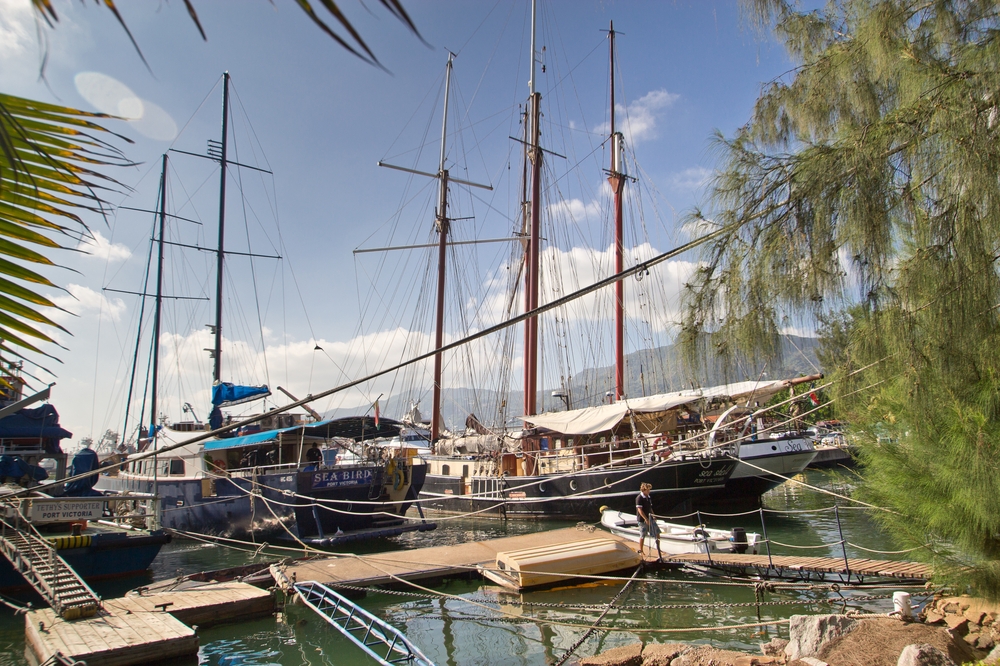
(176, 467)
(543, 444)
(445, 470)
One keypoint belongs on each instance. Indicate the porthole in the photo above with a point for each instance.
(542, 487)
(774, 448)
(572, 485)
(607, 482)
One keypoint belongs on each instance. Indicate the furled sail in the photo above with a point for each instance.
(225, 394)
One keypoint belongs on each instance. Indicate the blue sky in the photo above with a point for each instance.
(323, 119)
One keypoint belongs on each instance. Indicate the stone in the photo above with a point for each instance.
(950, 607)
(933, 618)
(964, 607)
(807, 634)
(972, 637)
(985, 642)
(774, 647)
(923, 655)
(813, 661)
(975, 616)
(958, 625)
(754, 660)
(661, 654)
(702, 655)
(993, 657)
(626, 655)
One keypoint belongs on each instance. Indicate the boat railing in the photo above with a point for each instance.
(133, 510)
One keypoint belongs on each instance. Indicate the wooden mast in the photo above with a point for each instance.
(534, 237)
(442, 223)
(617, 178)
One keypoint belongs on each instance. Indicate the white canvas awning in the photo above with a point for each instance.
(593, 420)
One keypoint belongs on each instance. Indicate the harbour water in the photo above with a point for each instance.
(467, 622)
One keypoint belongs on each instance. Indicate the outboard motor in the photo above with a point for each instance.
(738, 538)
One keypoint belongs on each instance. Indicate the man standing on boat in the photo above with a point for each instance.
(647, 521)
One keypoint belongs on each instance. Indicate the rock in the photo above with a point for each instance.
(754, 660)
(807, 634)
(879, 642)
(964, 607)
(702, 655)
(958, 625)
(975, 616)
(774, 647)
(971, 638)
(993, 657)
(626, 655)
(923, 655)
(933, 618)
(661, 654)
(950, 607)
(985, 642)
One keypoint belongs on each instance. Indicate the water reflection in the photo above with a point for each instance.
(532, 628)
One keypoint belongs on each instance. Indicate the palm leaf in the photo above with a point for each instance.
(50, 158)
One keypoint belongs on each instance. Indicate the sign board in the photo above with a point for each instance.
(65, 510)
(343, 478)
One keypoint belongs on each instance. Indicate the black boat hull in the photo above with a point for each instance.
(578, 495)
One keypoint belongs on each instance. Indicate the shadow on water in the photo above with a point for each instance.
(537, 627)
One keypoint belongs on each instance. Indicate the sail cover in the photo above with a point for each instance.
(225, 394)
(594, 420)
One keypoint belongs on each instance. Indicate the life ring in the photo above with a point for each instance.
(220, 465)
(398, 479)
(662, 441)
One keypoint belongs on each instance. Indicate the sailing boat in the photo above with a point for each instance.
(553, 473)
(276, 478)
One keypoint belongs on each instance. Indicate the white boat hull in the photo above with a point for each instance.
(676, 539)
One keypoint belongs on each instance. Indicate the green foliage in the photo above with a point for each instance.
(864, 190)
(48, 160)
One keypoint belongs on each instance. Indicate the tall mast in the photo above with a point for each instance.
(159, 302)
(531, 274)
(442, 223)
(217, 329)
(616, 177)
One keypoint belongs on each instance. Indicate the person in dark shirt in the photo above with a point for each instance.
(314, 455)
(647, 521)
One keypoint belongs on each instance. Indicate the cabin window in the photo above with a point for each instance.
(176, 467)
(465, 471)
(445, 470)
(543, 444)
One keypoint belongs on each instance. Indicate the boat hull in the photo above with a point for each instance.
(578, 495)
(301, 503)
(677, 539)
(110, 554)
(772, 461)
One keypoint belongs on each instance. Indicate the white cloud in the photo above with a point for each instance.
(639, 118)
(576, 209)
(111, 96)
(693, 178)
(85, 302)
(17, 29)
(101, 248)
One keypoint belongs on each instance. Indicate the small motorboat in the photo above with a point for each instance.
(677, 539)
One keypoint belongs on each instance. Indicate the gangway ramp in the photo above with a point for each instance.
(54, 580)
(383, 642)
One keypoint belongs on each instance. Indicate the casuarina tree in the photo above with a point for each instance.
(864, 188)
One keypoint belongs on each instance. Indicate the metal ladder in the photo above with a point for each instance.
(364, 629)
(48, 573)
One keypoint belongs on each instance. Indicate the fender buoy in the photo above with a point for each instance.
(398, 480)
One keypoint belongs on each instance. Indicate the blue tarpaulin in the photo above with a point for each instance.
(225, 394)
(352, 427)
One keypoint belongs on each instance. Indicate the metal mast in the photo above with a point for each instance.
(217, 328)
(531, 274)
(617, 178)
(159, 302)
(442, 223)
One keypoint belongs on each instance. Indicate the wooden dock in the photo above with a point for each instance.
(806, 568)
(143, 629)
(433, 562)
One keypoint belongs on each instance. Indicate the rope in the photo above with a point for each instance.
(788, 545)
(600, 618)
(888, 552)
